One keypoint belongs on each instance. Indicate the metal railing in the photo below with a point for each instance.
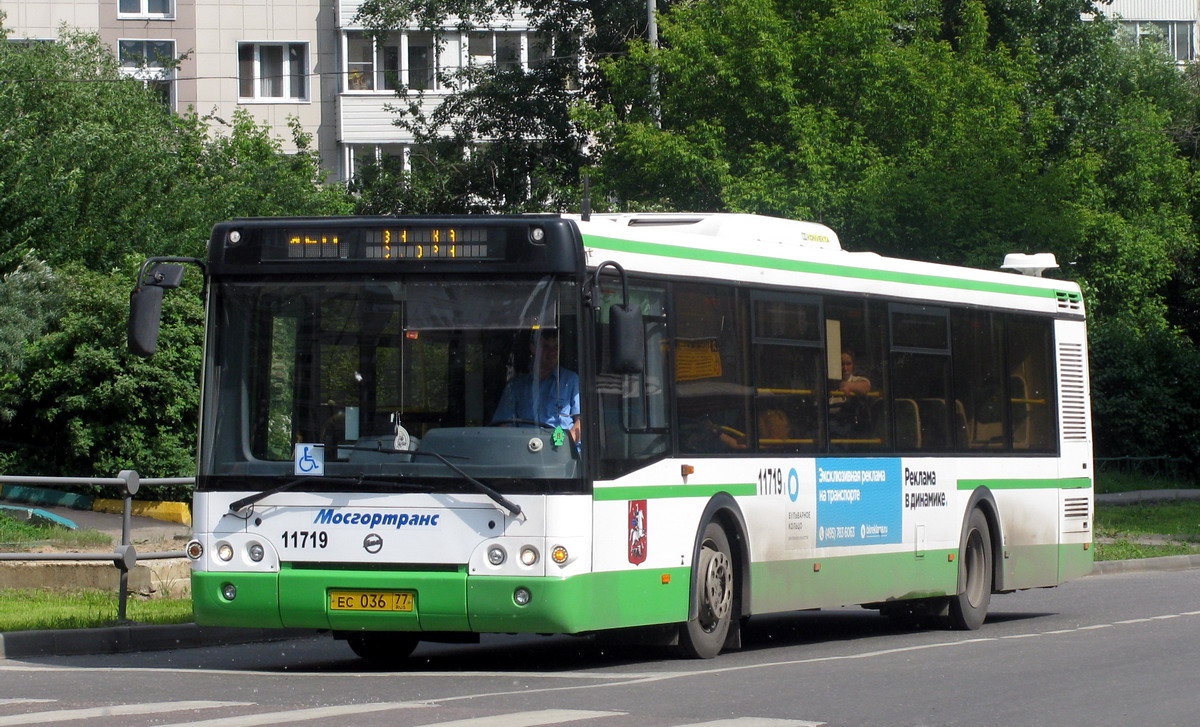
(1157, 466)
(124, 557)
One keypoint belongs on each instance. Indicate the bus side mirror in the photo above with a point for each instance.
(627, 340)
(145, 307)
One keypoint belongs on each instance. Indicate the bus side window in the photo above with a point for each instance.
(1031, 394)
(921, 373)
(633, 410)
(712, 398)
(856, 364)
(788, 374)
(978, 344)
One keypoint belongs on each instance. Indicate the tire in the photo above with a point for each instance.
(969, 608)
(712, 590)
(382, 645)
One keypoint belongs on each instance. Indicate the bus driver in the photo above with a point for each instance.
(552, 398)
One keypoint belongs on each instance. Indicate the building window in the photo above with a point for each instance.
(151, 62)
(418, 60)
(421, 61)
(273, 71)
(360, 62)
(1177, 37)
(391, 157)
(502, 48)
(154, 9)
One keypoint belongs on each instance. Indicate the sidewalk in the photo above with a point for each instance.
(1138, 496)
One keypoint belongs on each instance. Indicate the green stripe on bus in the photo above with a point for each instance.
(1069, 483)
(804, 266)
(658, 492)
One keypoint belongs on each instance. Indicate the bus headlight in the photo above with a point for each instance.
(529, 555)
(256, 552)
(225, 552)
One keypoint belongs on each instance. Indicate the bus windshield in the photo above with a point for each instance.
(364, 376)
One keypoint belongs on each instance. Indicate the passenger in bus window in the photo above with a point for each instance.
(849, 412)
(549, 396)
(704, 436)
(851, 383)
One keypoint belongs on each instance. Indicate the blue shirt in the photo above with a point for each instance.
(553, 401)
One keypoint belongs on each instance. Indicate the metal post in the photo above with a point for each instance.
(123, 587)
(652, 40)
(131, 480)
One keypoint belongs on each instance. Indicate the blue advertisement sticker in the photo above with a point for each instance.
(858, 502)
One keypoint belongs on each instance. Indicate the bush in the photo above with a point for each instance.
(1145, 388)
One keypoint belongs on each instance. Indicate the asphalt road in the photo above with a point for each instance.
(1105, 650)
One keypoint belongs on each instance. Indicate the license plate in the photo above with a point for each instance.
(371, 601)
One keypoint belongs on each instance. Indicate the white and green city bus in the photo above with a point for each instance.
(766, 423)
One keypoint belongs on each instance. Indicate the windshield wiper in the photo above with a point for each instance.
(513, 508)
(238, 505)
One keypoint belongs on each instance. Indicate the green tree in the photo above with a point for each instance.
(96, 174)
(955, 131)
(29, 298)
(87, 407)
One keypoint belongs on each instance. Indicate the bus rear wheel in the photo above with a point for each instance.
(712, 590)
(382, 645)
(969, 608)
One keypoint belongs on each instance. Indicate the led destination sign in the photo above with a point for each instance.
(395, 243)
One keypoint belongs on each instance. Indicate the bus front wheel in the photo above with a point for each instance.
(969, 608)
(704, 636)
(382, 645)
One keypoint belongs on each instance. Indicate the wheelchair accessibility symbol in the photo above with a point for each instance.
(309, 459)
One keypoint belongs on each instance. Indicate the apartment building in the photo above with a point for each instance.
(308, 59)
(312, 60)
(1169, 22)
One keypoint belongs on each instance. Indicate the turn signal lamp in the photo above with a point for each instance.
(194, 550)
(559, 554)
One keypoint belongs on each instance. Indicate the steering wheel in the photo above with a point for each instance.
(526, 422)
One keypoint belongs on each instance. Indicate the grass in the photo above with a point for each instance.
(26, 609)
(1125, 550)
(1147, 530)
(18, 536)
(1110, 482)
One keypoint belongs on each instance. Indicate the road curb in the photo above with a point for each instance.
(133, 638)
(42, 496)
(174, 512)
(1164, 563)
